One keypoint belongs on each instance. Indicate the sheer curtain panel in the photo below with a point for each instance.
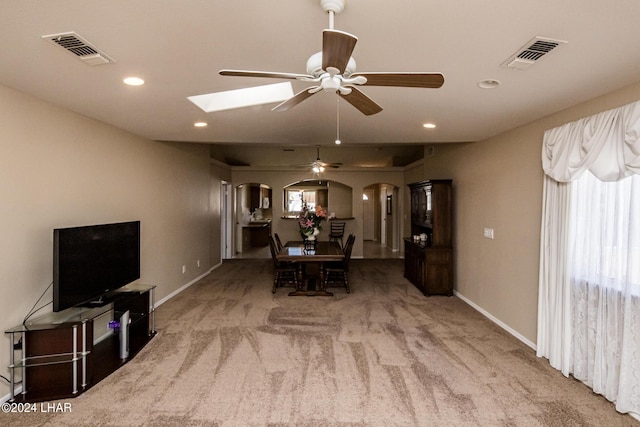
(589, 286)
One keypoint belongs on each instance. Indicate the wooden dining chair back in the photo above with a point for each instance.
(336, 231)
(286, 273)
(337, 274)
(278, 241)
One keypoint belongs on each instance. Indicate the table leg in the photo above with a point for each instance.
(319, 288)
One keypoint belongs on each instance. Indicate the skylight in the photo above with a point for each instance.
(256, 95)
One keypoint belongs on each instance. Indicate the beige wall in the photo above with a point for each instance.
(498, 184)
(60, 169)
(340, 200)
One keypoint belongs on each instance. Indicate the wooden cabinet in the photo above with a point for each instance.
(429, 263)
(260, 235)
(246, 239)
(259, 197)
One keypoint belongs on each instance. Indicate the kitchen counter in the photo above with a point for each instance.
(257, 224)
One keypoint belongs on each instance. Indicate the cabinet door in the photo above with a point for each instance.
(414, 265)
(255, 198)
(442, 218)
(439, 272)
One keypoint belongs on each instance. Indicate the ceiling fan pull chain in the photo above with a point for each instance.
(338, 142)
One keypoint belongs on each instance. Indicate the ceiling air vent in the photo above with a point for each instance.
(79, 47)
(531, 52)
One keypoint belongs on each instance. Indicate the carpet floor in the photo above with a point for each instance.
(230, 353)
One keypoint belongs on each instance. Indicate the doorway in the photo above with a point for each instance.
(226, 232)
(380, 221)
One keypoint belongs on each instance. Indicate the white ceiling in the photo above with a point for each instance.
(179, 46)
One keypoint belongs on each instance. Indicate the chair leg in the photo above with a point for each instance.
(346, 282)
(275, 283)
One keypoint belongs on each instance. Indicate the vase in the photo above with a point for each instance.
(311, 234)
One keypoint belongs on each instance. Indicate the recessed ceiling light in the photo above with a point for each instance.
(133, 81)
(489, 84)
(200, 124)
(429, 125)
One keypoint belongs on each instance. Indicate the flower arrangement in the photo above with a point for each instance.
(309, 221)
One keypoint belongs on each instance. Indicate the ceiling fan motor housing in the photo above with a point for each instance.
(314, 66)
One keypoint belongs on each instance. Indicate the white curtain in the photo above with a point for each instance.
(589, 292)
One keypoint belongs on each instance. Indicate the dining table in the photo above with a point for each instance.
(311, 259)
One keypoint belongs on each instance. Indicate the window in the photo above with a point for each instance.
(296, 198)
(606, 230)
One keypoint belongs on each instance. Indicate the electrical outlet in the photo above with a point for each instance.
(184, 269)
(488, 233)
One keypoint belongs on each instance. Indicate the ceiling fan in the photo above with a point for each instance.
(318, 166)
(333, 69)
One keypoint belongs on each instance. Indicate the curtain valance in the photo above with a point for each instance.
(607, 144)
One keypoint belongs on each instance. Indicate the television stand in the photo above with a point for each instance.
(62, 354)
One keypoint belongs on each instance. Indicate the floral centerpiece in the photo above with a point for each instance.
(309, 221)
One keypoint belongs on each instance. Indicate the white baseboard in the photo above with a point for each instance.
(185, 286)
(495, 320)
(8, 395)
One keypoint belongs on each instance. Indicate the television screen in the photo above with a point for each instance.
(91, 261)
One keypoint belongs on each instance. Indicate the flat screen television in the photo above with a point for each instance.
(91, 261)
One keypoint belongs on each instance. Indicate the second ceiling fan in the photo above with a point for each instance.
(334, 69)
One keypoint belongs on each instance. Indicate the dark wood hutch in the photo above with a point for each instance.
(428, 264)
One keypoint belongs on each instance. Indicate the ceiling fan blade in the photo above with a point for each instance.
(361, 101)
(425, 80)
(269, 74)
(295, 99)
(332, 165)
(337, 47)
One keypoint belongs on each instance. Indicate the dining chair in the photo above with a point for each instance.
(336, 231)
(286, 273)
(279, 244)
(336, 274)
